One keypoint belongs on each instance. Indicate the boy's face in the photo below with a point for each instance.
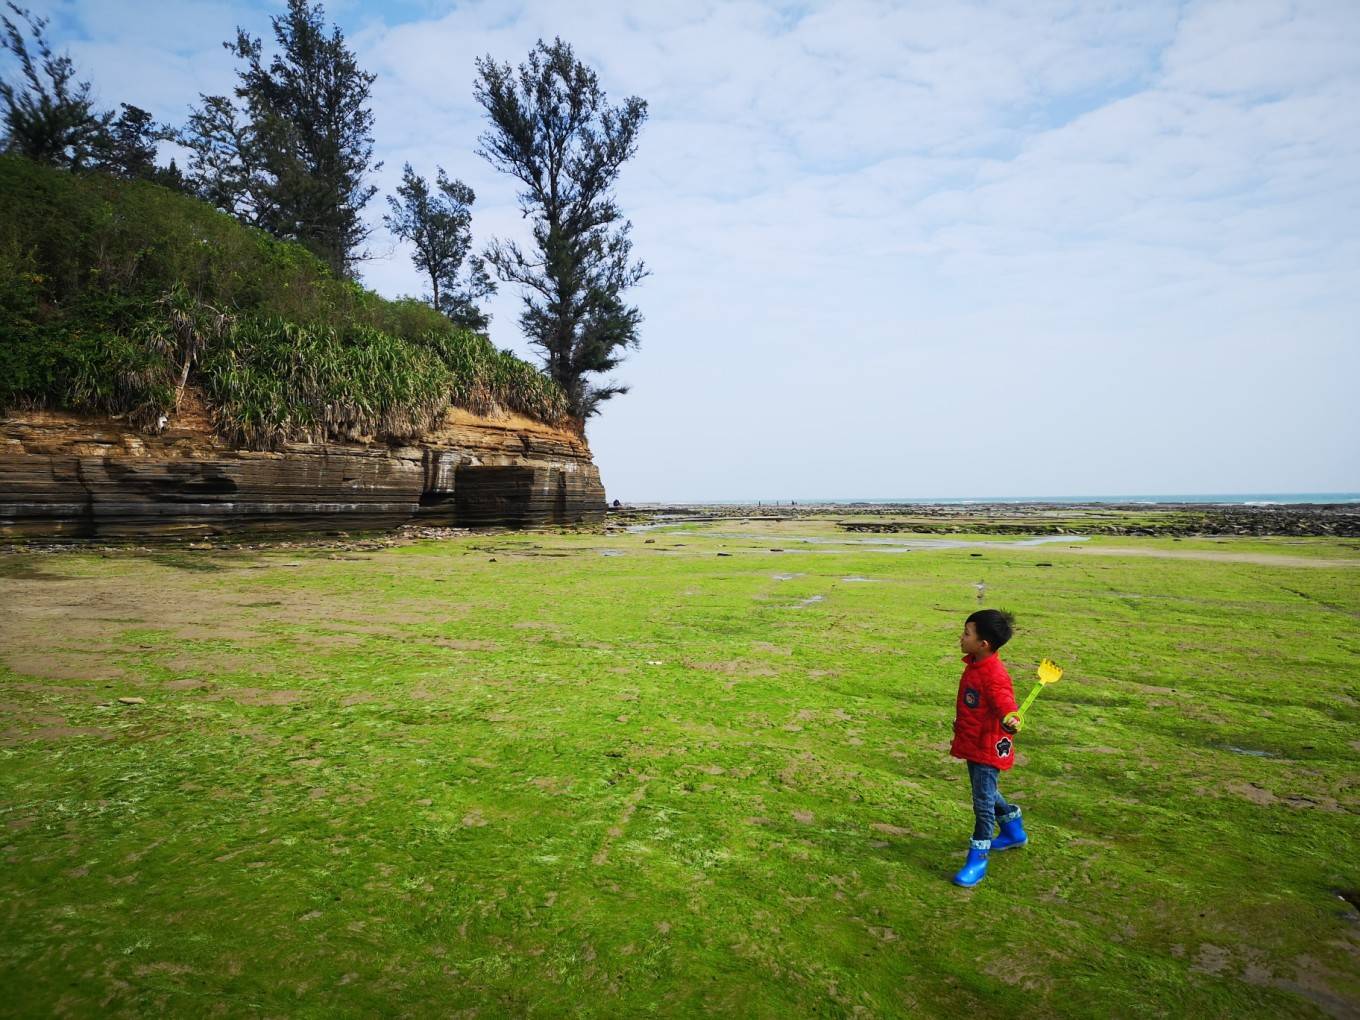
(972, 645)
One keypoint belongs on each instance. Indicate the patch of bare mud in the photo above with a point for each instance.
(1150, 688)
(765, 646)
(11, 737)
(733, 667)
(209, 661)
(186, 684)
(62, 665)
(547, 625)
(1211, 959)
(891, 830)
(1260, 795)
(95, 615)
(1018, 971)
(324, 639)
(467, 644)
(84, 695)
(260, 697)
(1319, 985)
(212, 630)
(1260, 559)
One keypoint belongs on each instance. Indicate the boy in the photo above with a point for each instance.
(985, 722)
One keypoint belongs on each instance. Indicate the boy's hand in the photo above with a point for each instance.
(1012, 723)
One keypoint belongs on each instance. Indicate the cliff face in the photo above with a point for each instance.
(65, 476)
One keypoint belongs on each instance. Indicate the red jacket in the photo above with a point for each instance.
(985, 698)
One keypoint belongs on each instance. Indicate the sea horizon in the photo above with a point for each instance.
(1194, 499)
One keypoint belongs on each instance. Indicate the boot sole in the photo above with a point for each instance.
(1009, 846)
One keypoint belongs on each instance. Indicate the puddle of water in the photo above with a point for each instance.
(862, 580)
(785, 577)
(665, 521)
(611, 552)
(811, 600)
(1249, 751)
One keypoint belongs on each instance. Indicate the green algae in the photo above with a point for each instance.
(514, 776)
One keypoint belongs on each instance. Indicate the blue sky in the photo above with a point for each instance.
(912, 249)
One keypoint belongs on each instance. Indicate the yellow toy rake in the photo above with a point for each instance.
(1049, 672)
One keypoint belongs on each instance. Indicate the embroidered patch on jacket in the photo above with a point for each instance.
(1003, 747)
(971, 697)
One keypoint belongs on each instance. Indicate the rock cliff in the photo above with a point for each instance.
(65, 476)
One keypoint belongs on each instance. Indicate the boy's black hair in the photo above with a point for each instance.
(995, 626)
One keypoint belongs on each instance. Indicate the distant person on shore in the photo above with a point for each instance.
(985, 724)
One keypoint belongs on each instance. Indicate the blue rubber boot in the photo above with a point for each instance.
(974, 869)
(1012, 833)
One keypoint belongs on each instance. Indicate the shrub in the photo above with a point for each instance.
(113, 293)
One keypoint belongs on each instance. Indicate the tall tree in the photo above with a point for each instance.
(553, 131)
(294, 156)
(127, 147)
(48, 115)
(439, 224)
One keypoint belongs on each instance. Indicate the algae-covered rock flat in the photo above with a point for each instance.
(622, 775)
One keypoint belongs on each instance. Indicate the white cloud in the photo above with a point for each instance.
(878, 231)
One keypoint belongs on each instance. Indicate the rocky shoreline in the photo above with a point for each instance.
(1180, 520)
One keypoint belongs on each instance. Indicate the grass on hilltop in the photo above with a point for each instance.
(111, 290)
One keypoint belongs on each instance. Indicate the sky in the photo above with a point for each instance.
(908, 250)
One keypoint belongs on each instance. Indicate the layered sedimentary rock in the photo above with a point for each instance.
(73, 477)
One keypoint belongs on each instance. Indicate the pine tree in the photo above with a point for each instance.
(294, 156)
(48, 116)
(439, 225)
(552, 130)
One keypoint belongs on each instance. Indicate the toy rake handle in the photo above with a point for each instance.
(1030, 700)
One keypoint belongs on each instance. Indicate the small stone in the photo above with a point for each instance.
(132, 701)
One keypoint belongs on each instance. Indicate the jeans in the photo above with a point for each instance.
(988, 804)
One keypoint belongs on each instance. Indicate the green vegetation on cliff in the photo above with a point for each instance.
(115, 294)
